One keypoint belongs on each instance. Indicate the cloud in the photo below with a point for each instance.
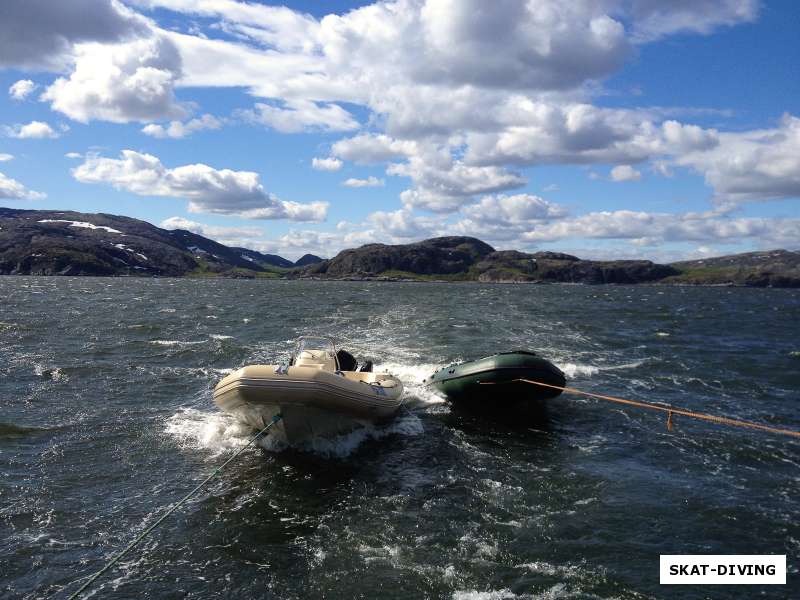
(178, 129)
(302, 115)
(446, 185)
(132, 81)
(371, 181)
(514, 210)
(73, 155)
(625, 173)
(21, 89)
(653, 19)
(209, 230)
(11, 189)
(33, 130)
(367, 149)
(666, 227)
(752, 165)
(40, 34)
(326, 164)
(6, 157)
(208, 190)
(504, 218)
(542, 132)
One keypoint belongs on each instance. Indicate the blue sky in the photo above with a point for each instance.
(614, 128)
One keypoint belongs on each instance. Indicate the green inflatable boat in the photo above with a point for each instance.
(468, 383)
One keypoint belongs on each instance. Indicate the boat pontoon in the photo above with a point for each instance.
(321, 392)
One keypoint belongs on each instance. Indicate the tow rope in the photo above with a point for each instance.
(174, 507)
(670, 410)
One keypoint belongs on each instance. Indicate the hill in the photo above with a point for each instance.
(307, 259)
(470, 259)
(42, 242)
(775, 268)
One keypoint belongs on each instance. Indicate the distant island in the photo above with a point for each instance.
(43, 242)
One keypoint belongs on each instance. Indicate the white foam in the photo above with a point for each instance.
(174, 343)
(476, 595)
(215, 431)
(580, 370)
(575, 370)
(413, 376)
(217, 336)
(344, 445)
(219, 432)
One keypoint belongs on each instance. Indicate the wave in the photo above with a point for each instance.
(218, 432)
(342, 446)
(413, 377)
(53, 373)
(175, 343)
(215, 431)
(575, 370)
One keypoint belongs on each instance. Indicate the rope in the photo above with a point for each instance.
(667, 409)
(174, 507)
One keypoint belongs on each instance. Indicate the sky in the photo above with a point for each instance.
(604, 128)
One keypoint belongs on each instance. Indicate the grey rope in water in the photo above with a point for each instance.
(175, 507)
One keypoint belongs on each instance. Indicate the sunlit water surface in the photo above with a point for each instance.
(107, 418)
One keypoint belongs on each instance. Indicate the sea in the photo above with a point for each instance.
(107, 419)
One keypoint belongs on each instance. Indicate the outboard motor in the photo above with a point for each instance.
(347, 361)
(366, 367)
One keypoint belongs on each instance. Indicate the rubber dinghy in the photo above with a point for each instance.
(467, 383)
(320, 393)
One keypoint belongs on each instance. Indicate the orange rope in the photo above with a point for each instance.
(667, 409)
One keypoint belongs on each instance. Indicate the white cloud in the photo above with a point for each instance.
(132, 81)
(73, 155)
(542, 132)
(326, 164)
(208, 190)
(33, 130)
(178, 129)
(302, 115)
(370, 148)
(6, 157)
(653, 19)
(625, 173)
(752, 165)
(21, 89)
(447, 185)
(40, 34)
(370, 181)
(514, 210)
(221, 234)
(504, 218)
(666, 227)
(11, 189)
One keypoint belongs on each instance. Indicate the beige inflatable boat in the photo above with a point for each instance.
(320, 393)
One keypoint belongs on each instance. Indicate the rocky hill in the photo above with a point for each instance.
(776, 268)
(465, 258)
(307, 259)
(36, 242)
(511, 265)
(434, 257)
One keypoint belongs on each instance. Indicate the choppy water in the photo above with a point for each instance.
(106, 418)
